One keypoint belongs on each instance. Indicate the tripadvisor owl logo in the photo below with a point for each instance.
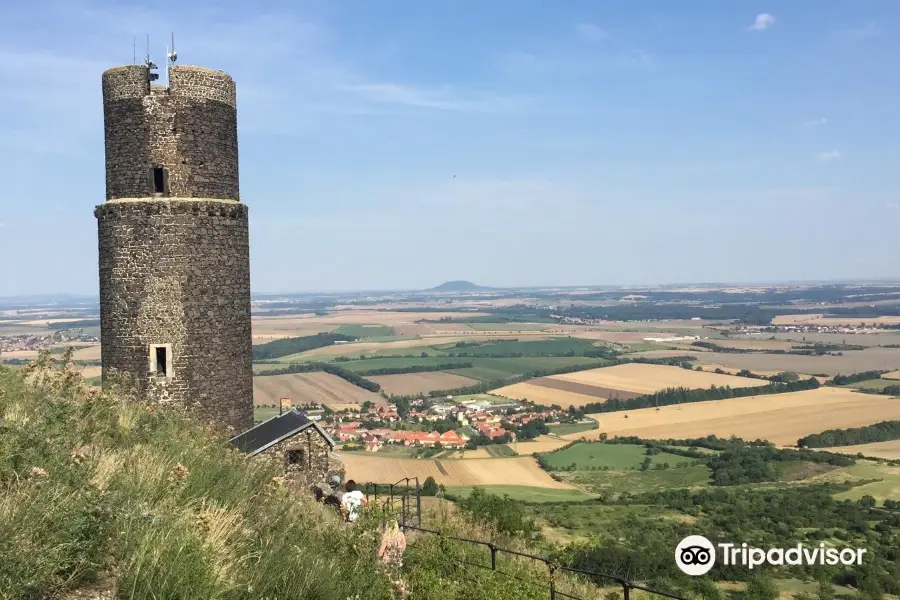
(695, 555)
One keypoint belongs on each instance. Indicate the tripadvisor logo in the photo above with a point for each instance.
(696, 555)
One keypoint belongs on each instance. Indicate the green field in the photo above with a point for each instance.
(494, 369)
(568, 428)
(500, 451)
(507, 326)
(397, 363)
(872, 384)
(555, 346)
(636, 482)
(595, 518)
(261, 413)
(886, 486)
(614, 456)
(365, 331)
(526, 493)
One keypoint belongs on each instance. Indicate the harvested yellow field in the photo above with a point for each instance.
(544, 395)
(88, 372)
(779, 418)
(889, 450)
(421, 383)
(820, 319)
(734, 370)
(646, 379)
(891, 375)
(542, 443)
(488, 471)
(88, 353)
(304, 388)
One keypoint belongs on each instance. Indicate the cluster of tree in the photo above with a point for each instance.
(726, 349)
(685, 395)
(502, 514)
(278, 348)
(483, 343)
(416, 369)
(751, 314)
(529, 430)
(742, 464)
(855, 378)
(879, 432)
(639, 547)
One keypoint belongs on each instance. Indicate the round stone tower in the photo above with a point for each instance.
(174, 248)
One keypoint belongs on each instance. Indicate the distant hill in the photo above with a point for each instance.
(459, 286)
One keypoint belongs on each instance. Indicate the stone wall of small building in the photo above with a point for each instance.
(316, 461)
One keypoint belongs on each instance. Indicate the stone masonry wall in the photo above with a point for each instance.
(177, 271)
(189, 128)
(317, 462)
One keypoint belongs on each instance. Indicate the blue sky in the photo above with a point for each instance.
(398, 144)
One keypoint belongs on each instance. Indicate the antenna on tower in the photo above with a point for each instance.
(172, 55)
(149, 64)
(134, 49)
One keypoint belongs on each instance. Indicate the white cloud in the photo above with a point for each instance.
(829, 156)
(892, 206)
(816, 122)
(590, 32)
(762, 22)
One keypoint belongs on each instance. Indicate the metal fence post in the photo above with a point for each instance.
(493, 550)
(552, 581)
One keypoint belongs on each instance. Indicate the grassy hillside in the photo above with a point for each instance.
(98, 492)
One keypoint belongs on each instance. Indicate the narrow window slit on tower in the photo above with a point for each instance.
(159, 181)
(161, 361)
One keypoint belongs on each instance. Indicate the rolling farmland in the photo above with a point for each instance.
(486, 471)
(415, 383)
(646, 379)
(622, 381)
(779, 418)
(304, 388)
(856, 361)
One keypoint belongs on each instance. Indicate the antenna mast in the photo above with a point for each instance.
(134, 49)
(149, 64)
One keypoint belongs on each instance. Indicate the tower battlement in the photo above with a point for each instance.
(173, 241)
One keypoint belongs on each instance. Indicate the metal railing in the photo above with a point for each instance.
(406, 503)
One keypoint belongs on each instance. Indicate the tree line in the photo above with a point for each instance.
(416, 369)
(287, 346)
(879, 432)
(682, 395)
(855, 378)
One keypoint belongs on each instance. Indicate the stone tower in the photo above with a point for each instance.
(174, 249)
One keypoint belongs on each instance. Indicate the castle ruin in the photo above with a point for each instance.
(173, 241)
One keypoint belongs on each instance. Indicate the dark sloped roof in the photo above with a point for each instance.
(270, 432)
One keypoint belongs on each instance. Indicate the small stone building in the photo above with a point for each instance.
(301, 446)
